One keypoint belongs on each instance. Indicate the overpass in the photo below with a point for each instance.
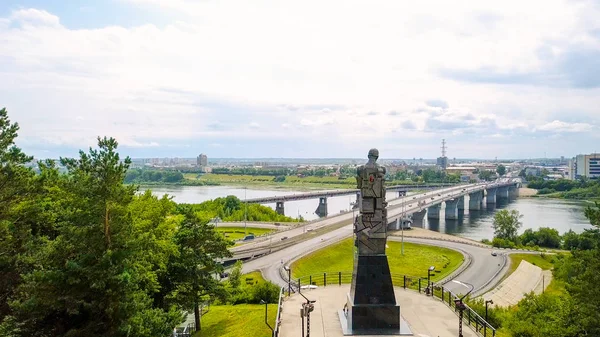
(323, 195)
(413, 207)
(453, 202)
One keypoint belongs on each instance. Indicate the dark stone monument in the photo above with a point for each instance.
(371, 307)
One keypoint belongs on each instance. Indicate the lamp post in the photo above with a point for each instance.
(289, 270)
(266, 321)
(245, 213)
(431, 269)
(486, 316)
(486, 303)
(461, 306)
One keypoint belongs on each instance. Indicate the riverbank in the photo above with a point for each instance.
(262, 181)
(527, 192)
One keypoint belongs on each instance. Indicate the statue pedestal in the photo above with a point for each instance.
(372, 308)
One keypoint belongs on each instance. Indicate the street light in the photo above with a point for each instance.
(289, 270)
(460, 305)
(486, 303)
(486, 316)
(429, 271)
(266, 321)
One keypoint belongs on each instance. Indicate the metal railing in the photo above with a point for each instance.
(471, 318)
(279, 308)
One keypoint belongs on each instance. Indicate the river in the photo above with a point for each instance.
(537, 212)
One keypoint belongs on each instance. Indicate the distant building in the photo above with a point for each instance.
(533, 171)
(584, 165)
(202, 160)
(442, 162)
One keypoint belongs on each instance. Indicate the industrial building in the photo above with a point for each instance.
(584, 165)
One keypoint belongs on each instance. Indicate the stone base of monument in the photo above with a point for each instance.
(377, 315)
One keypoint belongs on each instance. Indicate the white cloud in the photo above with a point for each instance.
(559, 126)
(288, 67)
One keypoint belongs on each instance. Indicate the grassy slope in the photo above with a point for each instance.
(236, 233)
(544, 262)
(241, 319)
(414, 262)
(237, 320)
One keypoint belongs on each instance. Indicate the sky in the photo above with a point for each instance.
(303, 79)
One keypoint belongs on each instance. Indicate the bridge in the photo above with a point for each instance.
(323, 195)
(454, 202)
(412, 208)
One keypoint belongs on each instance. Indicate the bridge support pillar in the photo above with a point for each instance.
(279, 208)
(452, 209)
(513, 192)
(461, 203)
(433, 212)
(502, 193)
(322, 208)
(490, 198)
(475, 200)
(417, 218)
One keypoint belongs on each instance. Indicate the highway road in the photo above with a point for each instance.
(396, 207)
(484, 270)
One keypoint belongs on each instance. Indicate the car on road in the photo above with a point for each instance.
(439, 195)
(249, 237)
(494, 253)
(432, 198)
(414, 197)
(284, 238)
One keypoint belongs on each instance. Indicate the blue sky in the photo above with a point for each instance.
(303, 79)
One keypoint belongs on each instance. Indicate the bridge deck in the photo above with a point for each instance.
(335, 193)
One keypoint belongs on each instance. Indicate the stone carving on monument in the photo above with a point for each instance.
(371, 304)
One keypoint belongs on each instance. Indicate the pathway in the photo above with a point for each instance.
(426, 316)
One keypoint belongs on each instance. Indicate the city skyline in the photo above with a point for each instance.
(303, 80)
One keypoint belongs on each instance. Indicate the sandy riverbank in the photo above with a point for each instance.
(527, 192)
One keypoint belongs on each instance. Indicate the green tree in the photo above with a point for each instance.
(506, 224)
(235, 277)
(486, 175)
(95, 278)
(501, 170)
(15, 192)
(193, 270)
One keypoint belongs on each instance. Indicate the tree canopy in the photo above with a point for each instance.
(506, 224)
(82, 254)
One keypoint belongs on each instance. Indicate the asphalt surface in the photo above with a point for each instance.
(483, 272)
(407, 205)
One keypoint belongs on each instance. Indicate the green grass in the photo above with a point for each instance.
(236, 233)
(237, 320)
(252, 278)
(240, 319)
(542, 261)
(415, 261)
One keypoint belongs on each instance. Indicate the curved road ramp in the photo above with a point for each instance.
(525, 279)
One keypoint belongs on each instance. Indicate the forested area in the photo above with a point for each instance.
(82, 254)
(568, 189)
(232, 208)
(145, 175)
(506, 225)
(571, 306)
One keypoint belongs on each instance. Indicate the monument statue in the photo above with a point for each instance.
(371, 307)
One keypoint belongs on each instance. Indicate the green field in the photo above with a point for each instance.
(237, 320)
(415, 261)
(240, 319)
(236, 233)
(542, 261)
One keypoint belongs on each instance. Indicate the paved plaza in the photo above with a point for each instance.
(426, 316)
